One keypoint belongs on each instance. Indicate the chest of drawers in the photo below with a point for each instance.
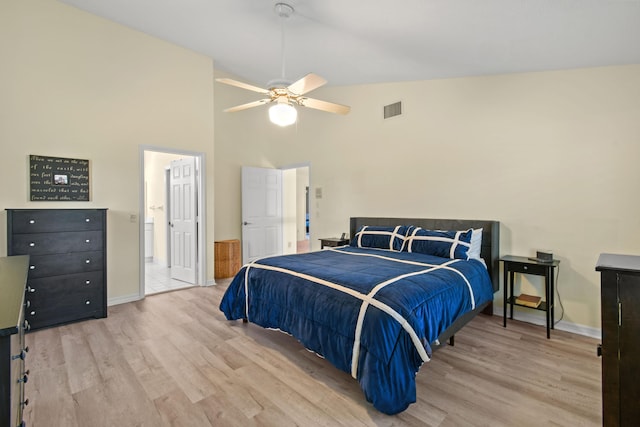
(67, 268)
(619, 299)
(13, 277)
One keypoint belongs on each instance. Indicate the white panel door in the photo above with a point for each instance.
(183, 219)
(261, 213)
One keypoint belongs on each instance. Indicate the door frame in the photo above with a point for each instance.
(167, 228)
(201, 258)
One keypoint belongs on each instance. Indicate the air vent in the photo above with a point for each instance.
(392, 110)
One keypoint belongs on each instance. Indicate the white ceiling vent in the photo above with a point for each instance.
(392, 110)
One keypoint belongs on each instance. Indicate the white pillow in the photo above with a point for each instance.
(476, 244)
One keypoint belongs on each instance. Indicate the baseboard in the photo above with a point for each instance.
(135, 297)
(562, 325)
(123, 299)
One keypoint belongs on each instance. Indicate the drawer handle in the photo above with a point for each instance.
(30, 289)
(27, 327)
(32, 267)
(88, 261)
(22, 355)
(33, 313)
(24, 378)
(87, 220)
(26, 402)
(32, 244)
(27, 304)
(87, 302)
(525, 267)
(87, 241)
(32, 221)
(87, 282)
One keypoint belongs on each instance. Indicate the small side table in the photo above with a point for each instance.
(332, 242)
(524, 265)
(227, 258)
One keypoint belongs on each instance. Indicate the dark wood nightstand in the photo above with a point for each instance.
(332, 242)
(524, 265)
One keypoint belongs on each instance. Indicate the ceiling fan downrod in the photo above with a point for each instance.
(284, 11)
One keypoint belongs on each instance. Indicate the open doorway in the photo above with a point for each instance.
(162, 235)
(296, 215)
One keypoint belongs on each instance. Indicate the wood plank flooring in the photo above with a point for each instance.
(173, 360)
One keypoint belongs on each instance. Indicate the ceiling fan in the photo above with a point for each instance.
(285, 96)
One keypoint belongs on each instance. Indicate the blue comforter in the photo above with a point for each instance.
(372, 313)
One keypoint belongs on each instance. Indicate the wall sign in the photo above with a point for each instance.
(58, 179)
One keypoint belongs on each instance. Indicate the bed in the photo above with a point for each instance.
(379, 307)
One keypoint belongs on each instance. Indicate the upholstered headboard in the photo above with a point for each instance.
(490, 250)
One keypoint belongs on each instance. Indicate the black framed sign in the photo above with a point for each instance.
(58, 179)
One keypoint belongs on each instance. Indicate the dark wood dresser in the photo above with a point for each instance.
(13, 278)
(68, 260)
(620, 305)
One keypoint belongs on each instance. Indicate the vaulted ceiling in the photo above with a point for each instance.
(369, 41)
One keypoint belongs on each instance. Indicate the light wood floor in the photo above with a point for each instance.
(173, 360)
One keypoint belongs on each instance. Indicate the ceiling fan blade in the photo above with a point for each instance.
(243, 85)
(324, 106)
(247, 105)
(306, 84)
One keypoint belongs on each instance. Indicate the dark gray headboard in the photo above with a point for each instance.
(490, 251)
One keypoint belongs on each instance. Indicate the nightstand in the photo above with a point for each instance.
(332, 242)
(524, 265)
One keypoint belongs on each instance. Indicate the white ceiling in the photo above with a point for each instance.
(370, 41)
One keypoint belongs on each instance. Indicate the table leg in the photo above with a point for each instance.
(505, 295)
(511, 279)
(552, 297)
(547, 283)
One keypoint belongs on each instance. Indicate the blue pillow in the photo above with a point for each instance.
(377, 237)
(443, 243)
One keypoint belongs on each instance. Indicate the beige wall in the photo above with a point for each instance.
(552, 155)
(74, 85)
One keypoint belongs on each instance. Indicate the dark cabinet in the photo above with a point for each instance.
(67, 268)
(620, 349)
(13, 375)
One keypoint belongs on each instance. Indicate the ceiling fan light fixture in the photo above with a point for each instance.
(283, 114)
(282, 93)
